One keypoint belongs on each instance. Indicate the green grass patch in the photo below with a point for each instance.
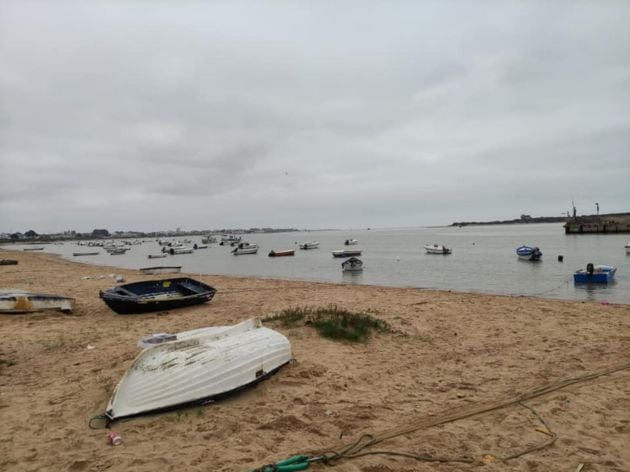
(331, 322)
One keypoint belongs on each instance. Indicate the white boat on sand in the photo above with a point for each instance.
(22, 301)
(197, 367)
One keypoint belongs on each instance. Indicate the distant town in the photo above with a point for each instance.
(31, 235)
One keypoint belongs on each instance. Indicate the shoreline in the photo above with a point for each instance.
(449, 350)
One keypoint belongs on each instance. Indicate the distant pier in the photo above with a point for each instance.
(598, 224)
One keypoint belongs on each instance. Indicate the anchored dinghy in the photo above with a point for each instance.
(197, 367)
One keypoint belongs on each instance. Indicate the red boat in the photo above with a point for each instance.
(288, 252)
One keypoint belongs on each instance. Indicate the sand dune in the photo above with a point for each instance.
(448, 351)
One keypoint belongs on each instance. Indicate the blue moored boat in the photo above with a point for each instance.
(529, 253)
(594, 274)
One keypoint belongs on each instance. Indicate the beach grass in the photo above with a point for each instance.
(332, 322)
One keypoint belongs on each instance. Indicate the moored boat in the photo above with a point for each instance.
(209, 239)
(627, 246)
(161, 270)
(351, 242)
(23, 301)
(437, 249)
(156, 295)
(352, 265)
(346, 253)
(288, 252)
(33, 249)
(180, 250)
(198, 366)
(77, 254)
(529, 253)
(157, 256)
(595, 274)
(310, 245)
(245, 248)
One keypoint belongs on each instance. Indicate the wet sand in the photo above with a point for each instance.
(448, 351)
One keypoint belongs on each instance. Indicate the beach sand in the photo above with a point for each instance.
(448, 351)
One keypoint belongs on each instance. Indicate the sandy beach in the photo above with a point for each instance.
(448, 351)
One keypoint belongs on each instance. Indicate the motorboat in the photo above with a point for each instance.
(346, 253)
(351, 242)
(209, 239)
(197, 367)
(23, 301)
(78, 254)
(245, 248)
(352, 265)
(33, 248)
(437, 249)
(200, 246)
(157, 256)
(310, 245)
(161, 270)
(117, 251)
(529, 253)
(288, 252)
(229, 239)
(595, 274)
(157, 295)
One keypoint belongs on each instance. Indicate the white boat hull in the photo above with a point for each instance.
(437, 249)
(200, 365)
(161, 270)
(20, 301)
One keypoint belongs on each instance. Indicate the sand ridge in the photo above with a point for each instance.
(448, 351)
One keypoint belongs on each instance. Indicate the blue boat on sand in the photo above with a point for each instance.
(595, 274)
(529, 253)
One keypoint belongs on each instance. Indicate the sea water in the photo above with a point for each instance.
(483, 259)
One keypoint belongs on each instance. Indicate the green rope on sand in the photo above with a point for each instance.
(288, 465)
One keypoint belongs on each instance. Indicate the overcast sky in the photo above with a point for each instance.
(148, 115)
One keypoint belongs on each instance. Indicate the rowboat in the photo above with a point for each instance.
(156, 295)
(197, 367)
(595, 274)
(346, 253)
(22, 301)
(77, 254)
(352, 265)
(437, 249)
(157, 256)
(8, 262)
(288, 252)
(33, 249)
(310, 245)
(529, 253)
(161, 270)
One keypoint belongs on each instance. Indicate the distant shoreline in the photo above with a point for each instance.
(517, 221)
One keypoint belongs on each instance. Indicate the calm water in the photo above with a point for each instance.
(483, 259)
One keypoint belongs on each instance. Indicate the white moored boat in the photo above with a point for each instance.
(627, 246)
(245, 248)
(310, 245)
(198, 366)
(437, 249)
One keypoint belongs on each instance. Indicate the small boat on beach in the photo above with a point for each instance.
(288, 252)
(78, 254)
(157, 295)
(351, 242)
(157, 256)
(161, 270)
(245, 248)
(309, 245)
(8, 262)
(33, 249)
(346, 253)
(352, 265)
(529, 253)
(595, 274)
(437, 249)
(196, 367)
(23, 301)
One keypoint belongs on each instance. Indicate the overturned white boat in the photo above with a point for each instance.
(197, 367)
(22, 301)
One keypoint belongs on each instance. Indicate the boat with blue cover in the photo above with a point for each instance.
(529, 253)
(157, 295)
(595, 274)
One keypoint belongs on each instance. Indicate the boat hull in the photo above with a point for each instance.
(200, 366)
(19, 301)
(600, 275)
(310, 245)
(346, 253)
(282, 253)
(161, 270)
(157, 295)
(437, 249)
